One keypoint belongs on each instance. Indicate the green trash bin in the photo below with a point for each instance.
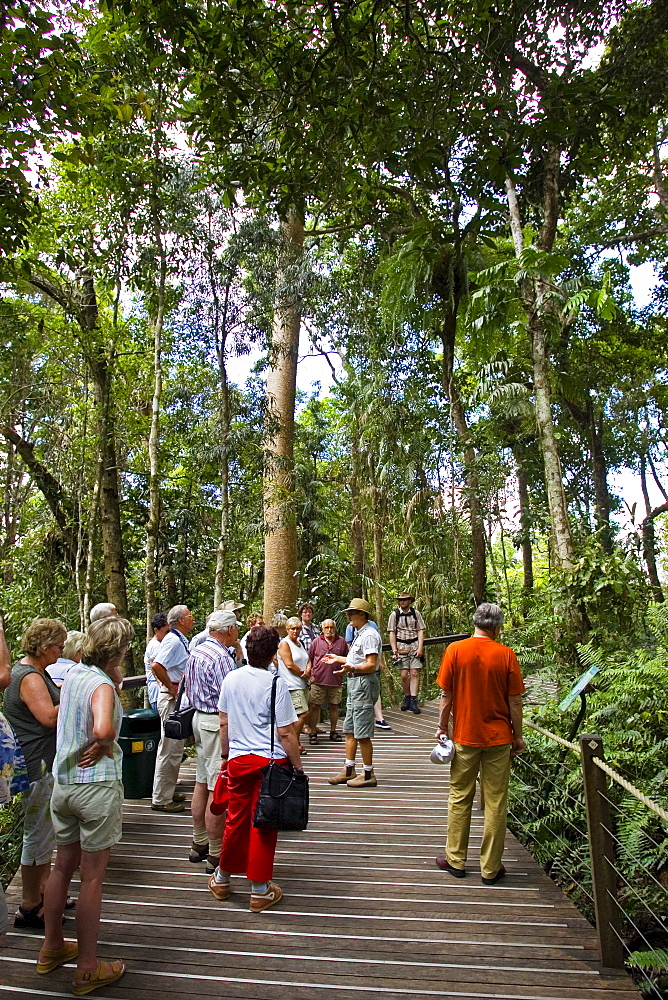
(138, 739)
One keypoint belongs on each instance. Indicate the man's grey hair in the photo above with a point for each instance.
(488, 617)
(104, 610)
(175, 614)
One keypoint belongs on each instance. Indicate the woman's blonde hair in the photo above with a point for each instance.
(293, 621)
(105, 639)
(73, 644)
(254, 619)
(42, 633)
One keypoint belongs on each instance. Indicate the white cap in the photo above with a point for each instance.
(443, 752)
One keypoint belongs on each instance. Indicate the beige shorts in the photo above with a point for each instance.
(325, 694)
(206, 730)
(408, 661)
(91, 813)
(38, 838)
(299, 701)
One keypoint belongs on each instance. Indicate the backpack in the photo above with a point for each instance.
(398, 613)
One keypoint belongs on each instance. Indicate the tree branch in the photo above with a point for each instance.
(59, 502)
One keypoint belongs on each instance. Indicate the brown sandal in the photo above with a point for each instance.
(47, 961)
(106, 973)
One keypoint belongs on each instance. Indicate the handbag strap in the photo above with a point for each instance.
(179, 693)
(272, 714)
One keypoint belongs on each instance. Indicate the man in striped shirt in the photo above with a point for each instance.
(207, 666)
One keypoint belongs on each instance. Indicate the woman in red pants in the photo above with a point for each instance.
(245, 736)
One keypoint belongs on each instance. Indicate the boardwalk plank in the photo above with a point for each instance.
(365, 912)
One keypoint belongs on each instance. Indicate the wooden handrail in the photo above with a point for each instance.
(139, 680)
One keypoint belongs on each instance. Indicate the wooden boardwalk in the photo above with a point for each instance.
(365, 913)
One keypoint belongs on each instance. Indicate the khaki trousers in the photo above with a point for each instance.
(493, 763)
(170, 753)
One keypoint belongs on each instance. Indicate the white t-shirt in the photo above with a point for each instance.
(246, 698)
(58, 671)
(300, 659)
(173, 655)
(367, 640)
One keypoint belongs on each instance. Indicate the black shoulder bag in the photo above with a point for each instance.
(283, 800)
(179, 724)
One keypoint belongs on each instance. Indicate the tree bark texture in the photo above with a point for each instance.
(357, 520)
(649, 536)
(525, 526)
(155, 324)
(220, 331)
(280, 549)
(533, 295)
(80, 302)
(478, 540)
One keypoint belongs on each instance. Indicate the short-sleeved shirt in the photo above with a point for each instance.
(173, 655)
(307, 636)
(58, 670)
(75, 729)
(352, 632)
(208, 665)
(152, 685)
(366, 641)
(323, 673)
(482, 675)
(246, 698)
(406, 624)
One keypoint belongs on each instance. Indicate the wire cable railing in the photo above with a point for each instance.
(628, 901)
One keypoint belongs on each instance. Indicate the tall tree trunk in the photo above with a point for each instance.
(525, 523)
(80, 302)
(649, 537)
(110, 507)
(600, 476)
(357, 520)
(451, 389)
(377, 521)
(93, 524)
(223, 541)
(280, 548)
(220, 332)
(156, 324)
(533, 295)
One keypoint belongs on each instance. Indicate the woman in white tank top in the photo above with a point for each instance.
(294, 668)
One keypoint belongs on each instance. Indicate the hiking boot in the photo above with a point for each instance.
(361, 782)
(406, 703)
(269, 898)
(342, 777)
(414, 707)
(169, 807)
(220, 890)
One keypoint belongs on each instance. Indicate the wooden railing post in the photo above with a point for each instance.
(602, 854)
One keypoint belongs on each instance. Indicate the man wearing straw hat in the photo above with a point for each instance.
(362, 668)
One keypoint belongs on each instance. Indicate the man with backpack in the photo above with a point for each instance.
(406, 628)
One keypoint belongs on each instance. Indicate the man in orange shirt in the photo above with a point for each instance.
(482, 687)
